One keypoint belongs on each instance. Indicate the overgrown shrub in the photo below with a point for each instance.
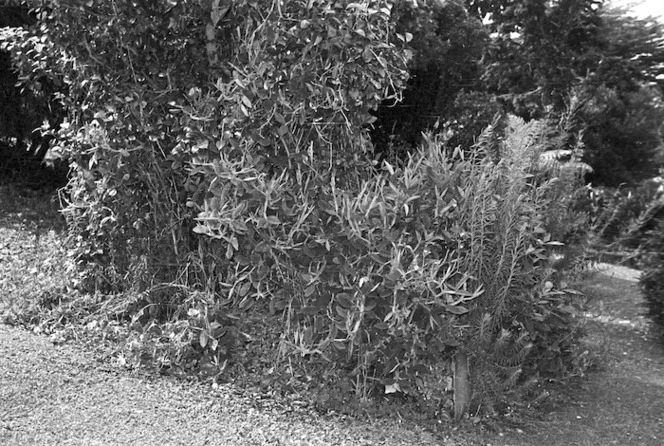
(632, 216)
(392, 277)
(213, 182)
(293, 86)
(523, 325)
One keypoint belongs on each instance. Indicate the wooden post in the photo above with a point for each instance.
(462, 391)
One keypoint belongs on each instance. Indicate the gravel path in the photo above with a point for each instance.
(61, 395)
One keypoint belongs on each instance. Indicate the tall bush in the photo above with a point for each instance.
(154, 101)
(522, 326)
(397, 275)
(219, 165)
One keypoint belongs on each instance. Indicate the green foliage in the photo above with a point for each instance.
(631, 221)
(362, 274)
(620, 212)
(447, 44)
(627, 36)
(568, 217)
(533, 59)
(623, 135)
(521, 325)
(35, 271)
(132, 133)
(472, 113)
(543, 53)
(523, 31)
(384, 278)
(214, 183)
(27, 103)
(652, 280)
(623, 110)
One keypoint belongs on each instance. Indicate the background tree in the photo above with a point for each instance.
(538, 50)
(523, 59)
(545, 56)
(447, 45)
(14, 124)
(624, 113)
(26, 103)
(637, 43)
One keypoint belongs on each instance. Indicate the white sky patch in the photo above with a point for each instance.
(643, 8)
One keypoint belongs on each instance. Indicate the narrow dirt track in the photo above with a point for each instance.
(622, 401)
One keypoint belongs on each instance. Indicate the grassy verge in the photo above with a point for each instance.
(620, 401)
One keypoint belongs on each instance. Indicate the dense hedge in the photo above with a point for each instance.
(652, 282)
(649, 231)
(220, 169)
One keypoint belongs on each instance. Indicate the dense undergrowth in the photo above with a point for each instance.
(225, 219)
(652, 280)
(437, 291)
